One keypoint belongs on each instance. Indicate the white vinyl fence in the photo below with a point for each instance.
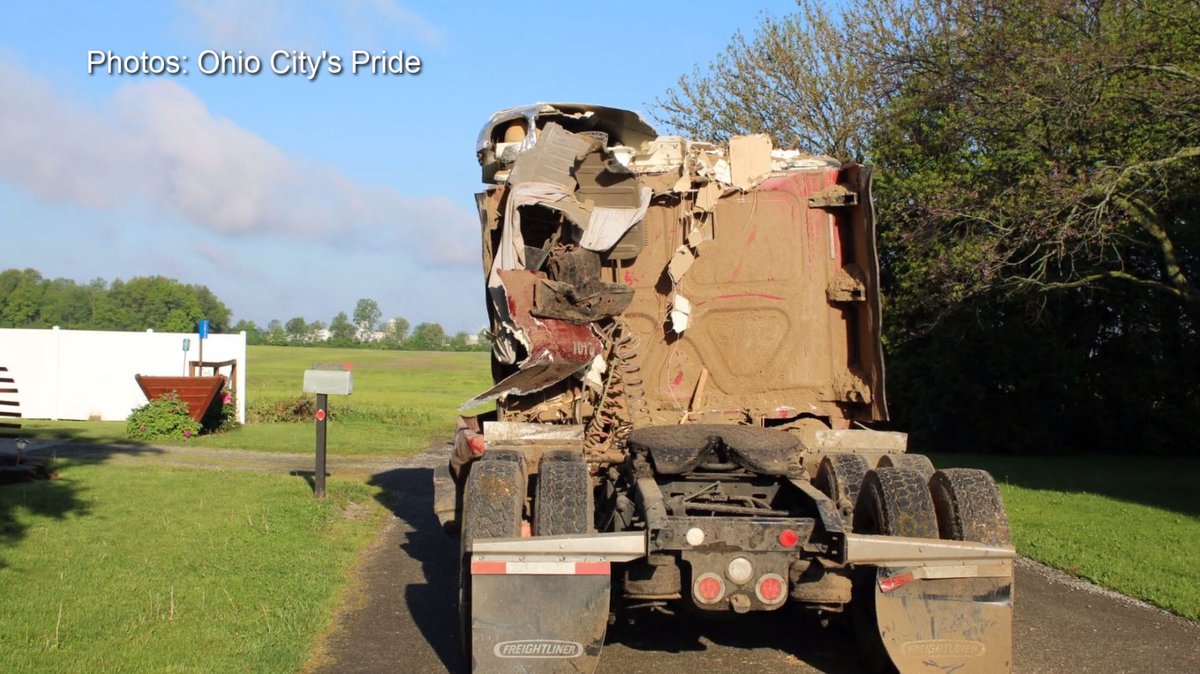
(87, 374)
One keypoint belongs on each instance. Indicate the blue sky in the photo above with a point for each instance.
(291, 197)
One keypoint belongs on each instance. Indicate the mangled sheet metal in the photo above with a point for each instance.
(605, 243)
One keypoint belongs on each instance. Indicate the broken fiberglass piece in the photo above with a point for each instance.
(680, 262)
(623, 127)
(552, 159)
(749, 159)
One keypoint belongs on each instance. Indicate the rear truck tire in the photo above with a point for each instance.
(969, 507)
(492, 501)
(895, 502)
(562, 503)
(892, 502)
(917, 462)
(840, 477)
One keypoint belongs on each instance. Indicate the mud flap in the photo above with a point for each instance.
(538, 622)
(541, 604)
(946, 618)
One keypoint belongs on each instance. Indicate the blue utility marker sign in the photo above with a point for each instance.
(203, 329)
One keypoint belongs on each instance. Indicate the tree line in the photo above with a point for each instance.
(1037, 198)
(365, 329)
(29, 300)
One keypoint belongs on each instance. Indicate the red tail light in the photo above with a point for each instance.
(709, 588)
(770, 588)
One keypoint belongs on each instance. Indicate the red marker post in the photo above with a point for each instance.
(324, 379)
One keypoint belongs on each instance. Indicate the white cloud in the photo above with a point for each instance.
(157, 143)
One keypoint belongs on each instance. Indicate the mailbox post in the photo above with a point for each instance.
(324, 379)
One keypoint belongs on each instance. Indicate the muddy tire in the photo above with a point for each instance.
(917, 462)
(562, 503)
(969, 507)
(492, 501)
(895, 502)
(892, 502)
(840, 477)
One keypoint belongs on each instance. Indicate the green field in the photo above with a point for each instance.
(403, 402)
(121, 569)
(1128, 523)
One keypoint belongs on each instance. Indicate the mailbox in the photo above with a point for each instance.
(329, 382)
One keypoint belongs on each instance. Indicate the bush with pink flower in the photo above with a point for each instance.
(164, 418)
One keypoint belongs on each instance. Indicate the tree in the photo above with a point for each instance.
(297, 330)
(341, 331)
(366, 317)
(805, 79)
(253, 334)
(396, 332)
(276, 336)
(427, 337)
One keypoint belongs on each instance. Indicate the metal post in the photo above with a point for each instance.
(322, 411)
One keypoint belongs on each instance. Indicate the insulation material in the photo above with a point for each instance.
(607, 225)
(681, 312)
(749, 159)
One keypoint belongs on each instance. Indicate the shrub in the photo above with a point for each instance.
(222, 413)
(289, 409)
(165, 417)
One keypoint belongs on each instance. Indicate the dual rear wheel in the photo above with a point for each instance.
(959, 504)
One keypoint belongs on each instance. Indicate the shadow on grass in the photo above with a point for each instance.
(58, 497)
(1162, 482)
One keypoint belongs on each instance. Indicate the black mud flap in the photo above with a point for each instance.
(930, 623)
(538, 616)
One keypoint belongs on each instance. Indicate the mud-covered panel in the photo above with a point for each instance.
(762, 332)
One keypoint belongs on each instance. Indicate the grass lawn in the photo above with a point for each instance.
(1128, 523)
(116, 568)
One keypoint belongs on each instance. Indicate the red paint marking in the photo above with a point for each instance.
(476, 444)
(512, 306)
(630, 279)
(889, 584)
(677, 381)
(320, 415)
(592, 568)
(736, 272)
(489, 568)
(750, 239)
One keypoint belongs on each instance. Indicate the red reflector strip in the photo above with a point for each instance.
(541, 568)
(592, 568)
(488, 568)
(889, 584)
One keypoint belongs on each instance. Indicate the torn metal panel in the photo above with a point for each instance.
(552, 299)
(553, 159)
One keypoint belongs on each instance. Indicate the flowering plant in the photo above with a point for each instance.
(165, 417)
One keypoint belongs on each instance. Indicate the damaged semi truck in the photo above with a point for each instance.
(687, 363)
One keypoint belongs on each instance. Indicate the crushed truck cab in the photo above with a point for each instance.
(687, 365)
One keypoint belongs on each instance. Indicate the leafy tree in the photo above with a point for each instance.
(427, 337)
(366, 317)
(396, 333)
(341, 331)
(276, 336)
(297, 330)
(254, 335)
